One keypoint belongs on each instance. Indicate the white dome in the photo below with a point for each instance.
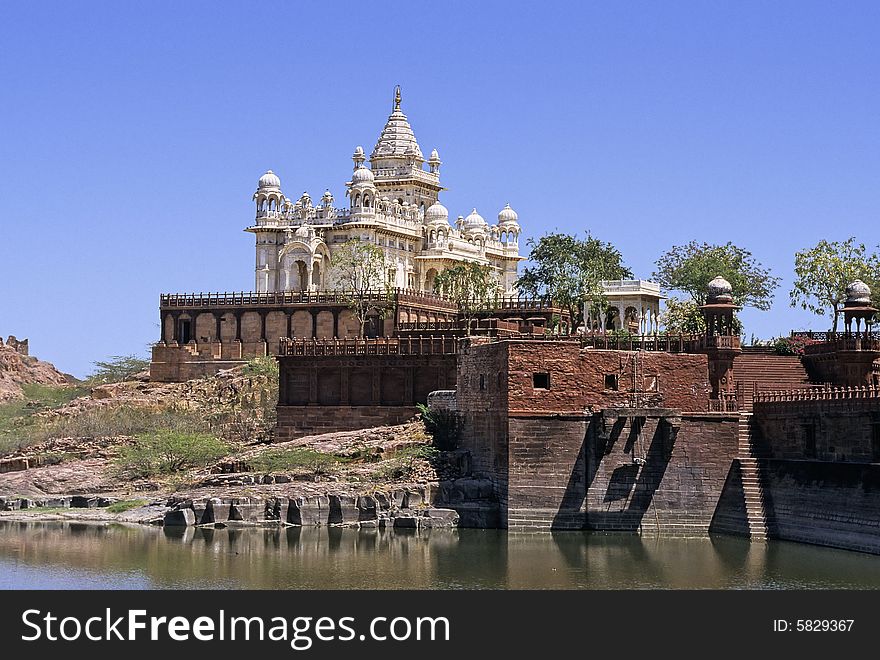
(302, 231)
(474, 222)
(858, 293)
(436, 213)
(269, 180)
(507, 216)
(362, 175)
(720, 288)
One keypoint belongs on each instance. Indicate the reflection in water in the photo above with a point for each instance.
(74, 555)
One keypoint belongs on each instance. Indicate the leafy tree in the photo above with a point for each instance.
(471, 286)
(823, 272)
(683, 317)
(165, 451)
(690, 268)
(117, 369)
(360, 271)
(568, 271)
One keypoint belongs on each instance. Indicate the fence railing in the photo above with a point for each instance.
(827, 393)
(418, 345)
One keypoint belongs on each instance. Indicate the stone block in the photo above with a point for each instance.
(343, 510)
(308, 511)
(180, 518)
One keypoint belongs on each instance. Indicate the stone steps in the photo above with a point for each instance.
(753, 493)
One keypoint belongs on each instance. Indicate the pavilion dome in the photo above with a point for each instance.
(474, 222)
(269, 180)
(436, 213)
(362, 176)
(720, 289)
(858, 293)
(507, 216)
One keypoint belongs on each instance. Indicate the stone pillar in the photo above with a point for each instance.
(263, 315)
(314, 323)
(336, 312)
(289, 316)
(218, 319)
(237, 316)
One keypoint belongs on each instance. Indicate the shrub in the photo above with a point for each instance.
(444, 427)
(791, 345)
(167, 452)
(403, 464)
(117, 369)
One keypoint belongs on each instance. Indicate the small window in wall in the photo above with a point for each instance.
(809, 440)
(482, 381)
(612, 382)
(875, 443)
(541, 381)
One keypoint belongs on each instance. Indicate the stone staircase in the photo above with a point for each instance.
(753, 493)
(764, 370)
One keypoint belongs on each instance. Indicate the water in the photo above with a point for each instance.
(64, 555)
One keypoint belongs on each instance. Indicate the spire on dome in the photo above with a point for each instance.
(397, 139)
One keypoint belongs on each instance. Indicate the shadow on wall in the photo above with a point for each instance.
(630, 486)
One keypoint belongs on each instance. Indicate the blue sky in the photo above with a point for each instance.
(132, 135)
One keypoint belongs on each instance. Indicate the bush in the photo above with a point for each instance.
(791, 345)
(117, 369)
(444, 426)
(403, 464)
(167, 452)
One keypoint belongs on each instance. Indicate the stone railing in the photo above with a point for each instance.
(276, 298)
(418, 345)
(726, 402)
(826, 393)
(831, 342)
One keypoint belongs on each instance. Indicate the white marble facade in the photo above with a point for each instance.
(392, 203)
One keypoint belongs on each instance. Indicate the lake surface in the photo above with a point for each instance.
(64, 555)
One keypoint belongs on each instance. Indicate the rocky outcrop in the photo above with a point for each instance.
(17, 368)
(402, 509)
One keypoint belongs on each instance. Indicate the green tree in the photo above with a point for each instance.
(117, 369)
(689, 268)
(683, 317)
(472, 286)
(569, 270)
(823, 272)
(360, 273)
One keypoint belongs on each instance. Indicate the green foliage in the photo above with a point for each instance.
(266, 367)
(405, 462)
(690, 268)
(472, 286)
(294, 460)
(167, 452)
(791, 345)
(823, 272)
(117, 369)
(683, 317)
(125, 505)
(568, 271)
(444, 427)
(360, 272)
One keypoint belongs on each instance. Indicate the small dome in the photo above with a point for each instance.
(358, 151)
(474, 222)
(303, 231)
(858, 293)
(435, 157)
(436, 213)
(507, 216)
(720, 289)
(269, 180)
(361, 176)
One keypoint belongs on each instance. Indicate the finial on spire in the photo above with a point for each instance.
(397, 98)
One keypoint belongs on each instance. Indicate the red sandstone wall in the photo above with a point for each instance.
(577, 378)
(484, 411)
